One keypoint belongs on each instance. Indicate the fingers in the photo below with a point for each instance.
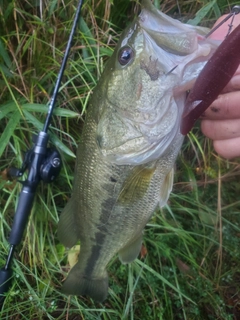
(221, 121)
(234, 83)
(226, 106)
(221, 129)
(229, 148)
(220, 33)
(225, 135)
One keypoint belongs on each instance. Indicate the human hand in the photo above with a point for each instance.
(221, 121)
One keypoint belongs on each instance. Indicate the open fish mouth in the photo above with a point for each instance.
(157, 60)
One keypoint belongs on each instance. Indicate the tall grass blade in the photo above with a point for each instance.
(9, 130)
(202, 13)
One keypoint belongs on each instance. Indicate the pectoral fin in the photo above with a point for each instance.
(136, 185)
(67, 226)
(131, 250)
(166, 188)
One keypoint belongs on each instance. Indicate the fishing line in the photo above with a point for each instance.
(230, 25)
(235, 10)
(43, 164)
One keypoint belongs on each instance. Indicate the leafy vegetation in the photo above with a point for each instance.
(190, 261)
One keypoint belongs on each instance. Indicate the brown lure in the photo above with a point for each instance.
(215, 75)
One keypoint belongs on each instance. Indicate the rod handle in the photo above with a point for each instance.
(24, 207)
(5, 282)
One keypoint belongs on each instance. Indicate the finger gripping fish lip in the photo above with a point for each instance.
(213, 78)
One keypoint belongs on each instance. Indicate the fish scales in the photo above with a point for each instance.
(129, 144)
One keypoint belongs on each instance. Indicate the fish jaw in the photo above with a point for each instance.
(142, 113)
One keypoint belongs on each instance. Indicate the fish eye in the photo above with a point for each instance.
(125, 55)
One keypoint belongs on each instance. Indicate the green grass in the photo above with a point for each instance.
(190, 266)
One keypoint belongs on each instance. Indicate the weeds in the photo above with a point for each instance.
(189, 265)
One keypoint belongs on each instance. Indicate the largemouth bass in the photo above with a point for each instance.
(129, 145)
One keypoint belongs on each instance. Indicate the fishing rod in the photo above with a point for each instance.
(43, 164)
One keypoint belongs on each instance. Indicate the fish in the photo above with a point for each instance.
(130, 141)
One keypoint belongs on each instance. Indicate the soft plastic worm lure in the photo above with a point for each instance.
(215, 75)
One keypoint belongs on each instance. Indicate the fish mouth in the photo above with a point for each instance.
(140, 125)
(171, 35)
